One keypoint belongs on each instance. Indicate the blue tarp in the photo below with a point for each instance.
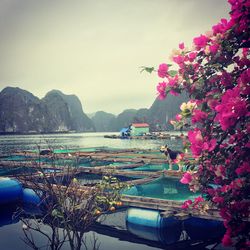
(124, 130)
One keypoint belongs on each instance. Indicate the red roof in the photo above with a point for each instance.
(140, 125)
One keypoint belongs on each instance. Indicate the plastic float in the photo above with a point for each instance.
(10, 190)
(201, 229)
(149, 224)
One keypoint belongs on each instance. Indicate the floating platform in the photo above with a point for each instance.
(155, 136)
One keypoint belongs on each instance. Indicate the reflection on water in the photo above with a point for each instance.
(11, 234)
(11, 143)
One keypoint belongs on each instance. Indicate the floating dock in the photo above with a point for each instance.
(128, 160)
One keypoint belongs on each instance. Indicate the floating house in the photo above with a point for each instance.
(137, 129)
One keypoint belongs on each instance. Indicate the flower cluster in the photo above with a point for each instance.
(216, 75)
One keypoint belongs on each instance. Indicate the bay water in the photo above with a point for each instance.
(11, 233)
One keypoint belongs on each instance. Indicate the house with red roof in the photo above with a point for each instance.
(137, 129)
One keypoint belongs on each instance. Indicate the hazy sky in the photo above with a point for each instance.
(94, 48)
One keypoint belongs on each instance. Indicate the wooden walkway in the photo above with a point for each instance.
(169, 207)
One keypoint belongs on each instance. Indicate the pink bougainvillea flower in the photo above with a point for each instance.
(245, 52)
(209, 145)
(227, 241)
(192, 56)
(181, 46)
(200, 42)
(161, 88)
(232, 107)
(186, 178)
(218, 199)
(226, 79)
(197, 201)
(196, 140)
(221, 27)
(174, 93)
(243, 168)
(198, 116)
(163, 70)
(244, 82)
(186, 204)
(213, 49)
(173, 81)
(178, 117)
(179, 59)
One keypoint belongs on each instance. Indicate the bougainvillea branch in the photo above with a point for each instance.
(216, 75)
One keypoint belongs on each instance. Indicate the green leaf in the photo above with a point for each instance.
(172, 72)
(147, 69)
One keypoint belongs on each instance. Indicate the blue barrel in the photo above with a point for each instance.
(31, 197)
(149, 224)
(10, 190)
(32, 204)
(202, 229)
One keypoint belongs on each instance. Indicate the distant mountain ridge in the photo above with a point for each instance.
(22, 112)
(157, 116)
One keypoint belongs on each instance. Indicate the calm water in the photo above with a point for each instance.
(11, 143)
(11, 231)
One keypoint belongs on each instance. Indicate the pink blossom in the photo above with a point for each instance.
(218, 199)
(196, 140)
(220, 171)
(200, 41)
(192, 56)
(232, 107)
(245, 52)
(227, 241)
(163, 70)
(226, 79)
(173, 81)
(178, 117)
(225, 188)
(243, 168)
(179, 59)
(221, 27)
(209, 145)
(214, 48)
(186, 178)
(199, 199)
(161, 88)
(198, 116)
(186, 204)
(181, 46)
(237, 183)
(174, 93)
(244, 82)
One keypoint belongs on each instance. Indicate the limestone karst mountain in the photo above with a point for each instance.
(22, 112)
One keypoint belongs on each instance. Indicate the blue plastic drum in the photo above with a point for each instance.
(149, 224)
(10, 190)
